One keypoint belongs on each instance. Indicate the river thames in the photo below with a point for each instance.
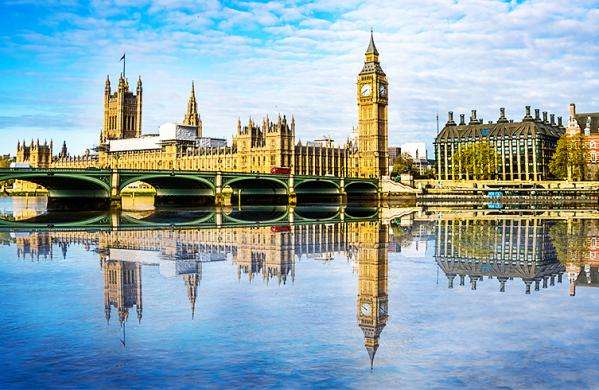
(322, 297)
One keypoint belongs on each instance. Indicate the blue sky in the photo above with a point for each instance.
(293, 57)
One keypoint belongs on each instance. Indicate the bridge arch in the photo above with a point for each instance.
(231, 181)
(361, 191)
(317, 191)
(68, 190)
(257, 189)
(173, 188)
(167, 180)
(318, 213)
(55, 182)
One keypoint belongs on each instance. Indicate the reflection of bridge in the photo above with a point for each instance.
(200, 218)
(94, 188)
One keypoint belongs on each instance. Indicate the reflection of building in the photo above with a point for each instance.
(586, 275)
(33, 246)
(192, 280)
(502, 248)
(261, 252)
(372, 302)
(257, 146)
(581, 255)
(524, 148)
(122, 288)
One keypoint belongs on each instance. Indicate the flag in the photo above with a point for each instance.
(123, 57)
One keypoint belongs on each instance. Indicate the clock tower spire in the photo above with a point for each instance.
(372, 97)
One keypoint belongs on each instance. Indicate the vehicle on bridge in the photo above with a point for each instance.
(280, 170)
(19, 165)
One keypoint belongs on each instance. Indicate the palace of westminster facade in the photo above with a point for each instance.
(256, 147)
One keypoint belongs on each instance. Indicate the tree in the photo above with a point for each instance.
(570, 158)
(572, 240)
(477, 160)
(403, 164)
(5, 161)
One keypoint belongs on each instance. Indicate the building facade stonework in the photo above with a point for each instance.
(257, 146)
(586, 124)
(524, 149)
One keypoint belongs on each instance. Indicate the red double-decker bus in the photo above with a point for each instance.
(280, 170)
(280, 228)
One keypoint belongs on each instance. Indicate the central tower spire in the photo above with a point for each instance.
(192, 118)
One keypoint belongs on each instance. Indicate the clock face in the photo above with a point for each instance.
(366, 90)
(365, 309)
(382, 309)
(382, 90)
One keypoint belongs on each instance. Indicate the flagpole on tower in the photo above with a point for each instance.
(123, 58)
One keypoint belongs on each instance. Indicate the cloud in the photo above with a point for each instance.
(302, 57)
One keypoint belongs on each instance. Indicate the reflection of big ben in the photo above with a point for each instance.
(192, 280)
(372, 116)
(372, 283)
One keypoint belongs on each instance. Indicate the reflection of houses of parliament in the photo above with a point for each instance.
(264, 252)
(503, 248)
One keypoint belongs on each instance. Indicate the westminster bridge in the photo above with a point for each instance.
(100, 188)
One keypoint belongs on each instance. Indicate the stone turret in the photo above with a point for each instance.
(573, 128)
(122, 111)
(63, 151)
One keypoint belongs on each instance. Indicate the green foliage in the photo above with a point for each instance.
(476, 238)
(571, 240)
(5, 161)
(476, 161)
(403, 164)
(570, 158)
(402, 234)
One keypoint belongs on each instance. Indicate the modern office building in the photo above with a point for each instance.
(524, 148)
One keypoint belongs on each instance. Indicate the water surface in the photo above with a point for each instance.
(306, 302)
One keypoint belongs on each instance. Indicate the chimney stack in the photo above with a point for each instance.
(502, 118)
(462, 119)
(552, 119)
(450, 121)
(545, 117)
(473, 119)
(572, 110)
(559, 121)
(537, 114)
(527, 116)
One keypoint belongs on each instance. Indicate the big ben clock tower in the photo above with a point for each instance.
(372, 116)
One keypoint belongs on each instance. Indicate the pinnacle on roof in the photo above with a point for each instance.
(371, 46)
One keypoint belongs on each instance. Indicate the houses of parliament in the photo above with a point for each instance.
(266, 146)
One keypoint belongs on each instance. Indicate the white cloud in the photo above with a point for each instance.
(303, 57)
